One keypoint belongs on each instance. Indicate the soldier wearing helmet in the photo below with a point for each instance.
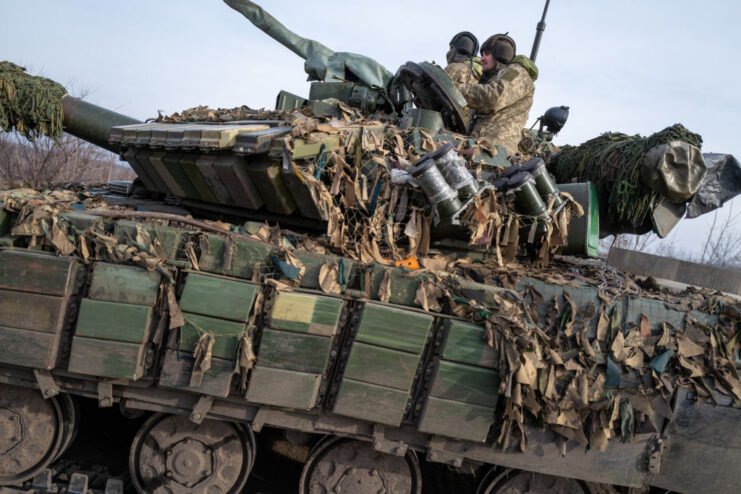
(463, 64)
(504, 95)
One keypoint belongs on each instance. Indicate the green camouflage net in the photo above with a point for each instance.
(29, 104)
(613, 161)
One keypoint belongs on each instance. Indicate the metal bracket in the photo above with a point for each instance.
(46, 383)
(261, 417)
(380, 443)
(654, 450)
(203, 406)
(436, 453)
(105, 394)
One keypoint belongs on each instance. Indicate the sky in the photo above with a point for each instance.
(631, 66)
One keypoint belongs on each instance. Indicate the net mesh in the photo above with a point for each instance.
(31, 105)
(613, 161)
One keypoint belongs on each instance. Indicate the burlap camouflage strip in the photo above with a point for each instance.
(577, 367)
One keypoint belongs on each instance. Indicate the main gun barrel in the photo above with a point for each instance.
(92, 122)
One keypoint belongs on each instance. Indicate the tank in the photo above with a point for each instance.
(352, 281)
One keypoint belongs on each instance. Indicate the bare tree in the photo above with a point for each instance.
(44, 161)
(723, 245)
(640, 243)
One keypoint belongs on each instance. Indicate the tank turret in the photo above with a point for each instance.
(400, 320)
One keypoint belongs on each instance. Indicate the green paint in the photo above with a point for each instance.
(125, 284)
(178, 367)
(283, 388)
(218, 297)
(403, 287)
(455, 419)
(466, 344)
(306, 313)
(466, 383)
(170, 238)
(114, 321)
(29, 348)
(36, 272)
(267, 177)
(106, 358)
(293, 351)
(172, 162)
(370, 402)
(188, 164)
(246, 256)
(226, 334)
(44, 316)
(376, 365)
(394, 328)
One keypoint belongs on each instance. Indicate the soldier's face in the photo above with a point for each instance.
(487, 61)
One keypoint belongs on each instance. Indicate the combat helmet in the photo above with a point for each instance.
(501, 46)
(463, 46)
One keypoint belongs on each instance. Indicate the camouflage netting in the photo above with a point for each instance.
(371, 218)
(206, 114)
(613, 161)
(31, 105)
(572, 366)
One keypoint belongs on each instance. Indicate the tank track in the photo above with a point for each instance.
(66, 478)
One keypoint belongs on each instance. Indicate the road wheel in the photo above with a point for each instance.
(355, 467)
(499, 481)
(172, 455)
(31, 433)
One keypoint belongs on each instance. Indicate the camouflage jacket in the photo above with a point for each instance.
(502, 104)
(458, 72)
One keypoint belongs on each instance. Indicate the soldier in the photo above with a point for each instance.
(463, 64)
(503, 97)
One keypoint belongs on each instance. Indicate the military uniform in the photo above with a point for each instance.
(459, 71)
(502, 103)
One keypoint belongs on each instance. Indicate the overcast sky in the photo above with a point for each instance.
(627, 65)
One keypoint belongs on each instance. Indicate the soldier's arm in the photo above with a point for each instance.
(495, 95)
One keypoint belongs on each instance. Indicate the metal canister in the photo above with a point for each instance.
(527, 198)
(454, 171)
(437, 190)
(543, 181)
